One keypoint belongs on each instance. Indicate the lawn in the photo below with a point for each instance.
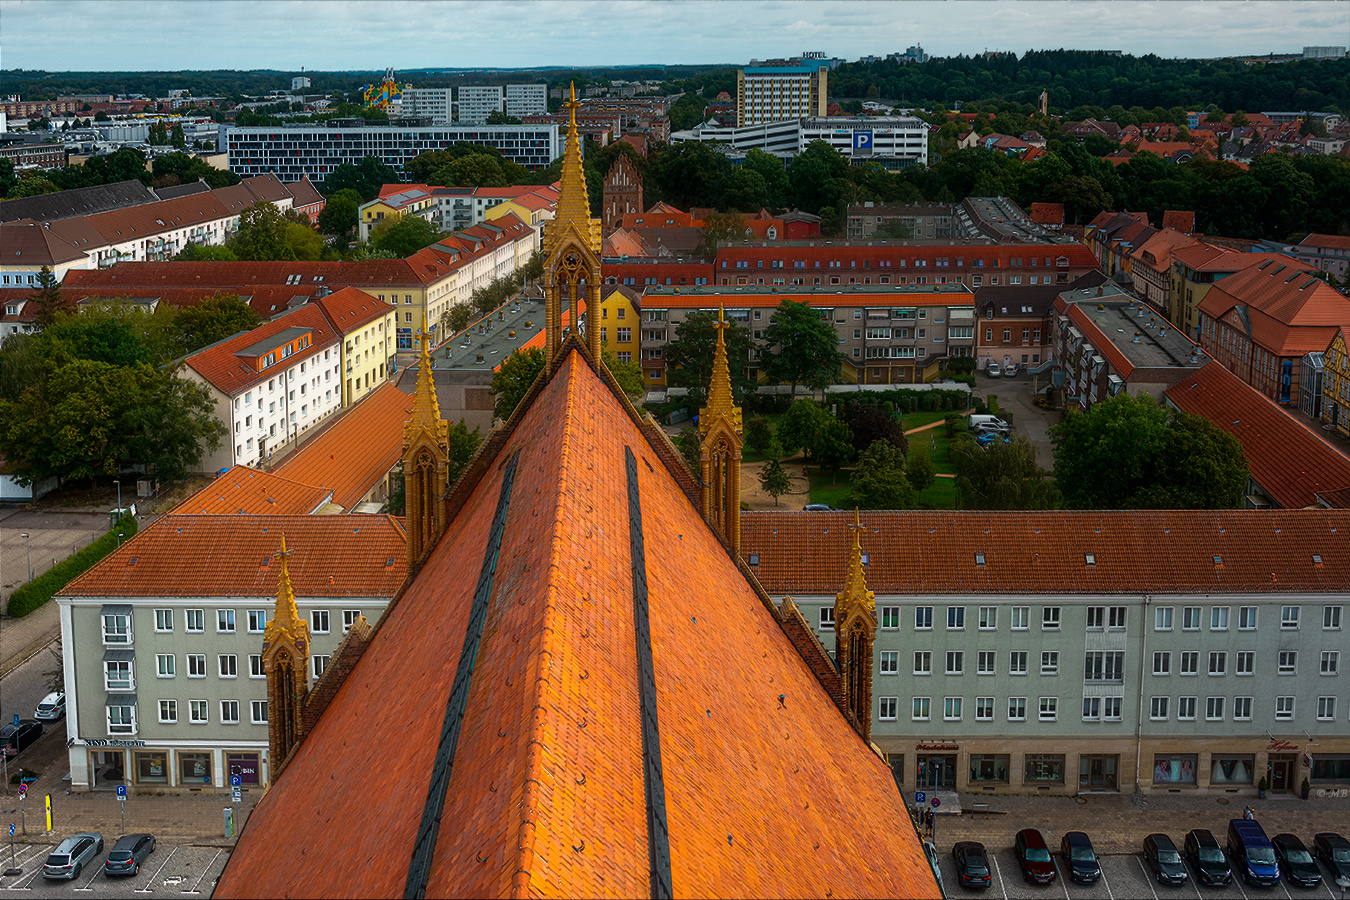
(941, 494)
(835, 494)
(919, 419)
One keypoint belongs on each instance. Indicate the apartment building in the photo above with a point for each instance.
(365, 327)
(1195, 268)
(892, 141)
(478, 101)
(411, 201)
(779, 93)
(1076, 652)
(1016, 323)
(920, 222)
(436, 104)
(520, 100)
(1336, 385)
(162, 641)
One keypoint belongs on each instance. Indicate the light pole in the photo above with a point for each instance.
(119, 538)
(119, 496)
(28, 545)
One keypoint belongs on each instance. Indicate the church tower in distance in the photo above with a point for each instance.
(720, 442)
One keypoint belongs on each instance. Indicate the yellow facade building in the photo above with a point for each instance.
(1336, 386)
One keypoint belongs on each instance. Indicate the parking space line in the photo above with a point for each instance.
(148, 889)
(204, 873)
(89, 882)
(1059, 876)
(1106, 884)
(1193, 881)
(999, 872)
(25, 881)
(31, 852)
(1148, 879)
(1237, 879)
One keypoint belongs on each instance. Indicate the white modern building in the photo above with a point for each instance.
(775, 93)
(478, 101)
(434, 103)
(892, 141)
(526, 100)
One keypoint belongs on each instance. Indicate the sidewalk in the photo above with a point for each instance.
(21, 639)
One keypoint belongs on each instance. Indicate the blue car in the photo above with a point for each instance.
(985, 438)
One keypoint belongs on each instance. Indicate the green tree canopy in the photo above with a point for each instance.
(872, 423)
(341, 214)
(404, 235)
(262, 234)
(802, 347)
(214, 319)
(774, 479)
(801, 424)
(879, 480)
(205, 252)
(365, 177)
(689, 359)
(1000, 476)
(513, 379)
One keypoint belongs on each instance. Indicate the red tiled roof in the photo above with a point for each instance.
(243, 491)
(1333, 241)
(546, 793)
(1048, 213)
(1287, 459)
(243, 274)
(1291, 312)
(356, 451)
(1179, 220)
(29, 243)
(350, 308)
(222, 556)
(222, 368)
(1135, 551)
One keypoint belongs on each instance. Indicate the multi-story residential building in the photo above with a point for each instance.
(1328, 253)
(779, 93)
(1152, 268)
(316, 151)
(1336, 385)
(35, 156)
(520, 100)
(1112, 237)
(1106, 340)
(1072, 652)
(1016, 322)
(888, 335)
(621, 323)
(639, 273)
(920, 222)
(476, 102)
(83, 201)
(1260, 322)
(366, 328)
(162, 641)
(1194, 268)
(436, 104)
(891, 141)
(411, 201)
(462, 207)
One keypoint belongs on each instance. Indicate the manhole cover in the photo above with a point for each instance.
(1222, 801)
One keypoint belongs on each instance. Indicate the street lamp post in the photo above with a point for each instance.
(28, 545)
(119, 495)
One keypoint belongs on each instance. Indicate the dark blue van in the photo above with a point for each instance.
(1251, 853)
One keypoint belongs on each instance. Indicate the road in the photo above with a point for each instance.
(169, 871)
(21, 690)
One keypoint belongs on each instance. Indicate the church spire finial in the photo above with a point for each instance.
(285, 657)
(572, 249)
(719, 429)
(855, 613)
(426, 462)
(426, 409)
(720, 398)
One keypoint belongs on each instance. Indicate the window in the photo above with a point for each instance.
(1162, 618)
(163, 620)
(1284, 708)
(956, 618)
(890, 617)
(1190, 618)
(1021, 615)
(1331, 618)
(956, 661)
(164, 664)
(1218, 618)
(1108, 665)
(1049, 662)
(349, 617)
(1242, 708)
(984, 709)
(1289, 617)
(229, 712)
(318, 621)
(258, 708)
(320, 663)
(923, 662)
(229, 665)
(923, 618)
(1331, 662)
(920, 710)
(951, 709)
(168, 712)
(1245, 662)
(1218, 662)
(225, 621)
(197, 712)
(1017, 662)
(1157, 708)
(988, 618)
(257, 621)
(117, 675)
(117, 629)
(1092, 709)
(826, 618)
(1049, 709)
(121, 720)
(1162, 662)
(1017, 709)
(1326, 709)
(196, 620)
(1246, 618)
(1186, 708)
(1050, 618)
(1096, 617)
(255, 666)
(196, 665)
(1213, 709)
(1288, 662)
(1190, 662)
(984, 663)
(890, 662)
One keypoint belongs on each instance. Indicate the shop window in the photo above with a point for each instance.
(152, 767)
(194, 768)
(1044, 768)
(1330, 767)
(1174, 768)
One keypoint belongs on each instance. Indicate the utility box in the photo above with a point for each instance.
(229, 822)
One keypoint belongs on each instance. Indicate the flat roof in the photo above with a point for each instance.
(495, 343)
(1120, 316)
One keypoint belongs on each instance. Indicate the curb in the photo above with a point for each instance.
(32, 649)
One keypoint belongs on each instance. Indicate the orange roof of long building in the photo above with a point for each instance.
(243, 491)
(544, 791)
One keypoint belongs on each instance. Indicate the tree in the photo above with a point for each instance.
(47, 297)
(303, 241)
(341, 214)
(205, 253)
(497, 117)
(758, 433)
(627, 374)
(214, 319)
(690, 447)
(32, 185)
(1000, 476)
(879, 480)
(7, 177)
(719, 229)
(365, 177)
(919, 469)
(404, 235)
(171, 424)
(818, 177)
(1158, 458)
(463, 445)
(774, 479)
(262, 234)
(746, 191)
(513, 380)
(802, 347)
(689, 359)
(872, 423)
(798, 427)
(833, 446)
(159, 135)
(456, 319)
(771, 169)
(177, 138)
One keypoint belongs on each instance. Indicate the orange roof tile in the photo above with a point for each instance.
(223, 556)
(546, 793)
(357, 450)
(244, 491)
(349, 308)
(220, 365)
(1290, 462)
(1291, 312)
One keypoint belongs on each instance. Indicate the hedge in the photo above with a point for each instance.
(45, 586)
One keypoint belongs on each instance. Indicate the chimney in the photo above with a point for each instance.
(1100, 290)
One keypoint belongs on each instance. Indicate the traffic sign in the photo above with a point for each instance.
(920, 796)
(935, 802)
(237, 794)
(23, 789)
(236, 780)
(11, 829)
(122, 791)
(16, 720)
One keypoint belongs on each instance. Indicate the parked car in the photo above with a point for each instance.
(1162, 857)
(984, 438)
(1202, 849)
(14, 738)
(72, 855)
(984, 420)
(1080, 860)
(1012, 371)
(1251, 854)
(1334, 852)
(972, 864)
(1034, 857)
(1296, 863)
(819, 507)
(51, 707)
(994, 371)
(128, 853)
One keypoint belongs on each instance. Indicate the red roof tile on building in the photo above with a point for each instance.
(224, 369)
(1332, 241)
(1291, 312)
(350, 308)
(1287, 459)
(1048, 213)
(243, 491)
(1179, 220)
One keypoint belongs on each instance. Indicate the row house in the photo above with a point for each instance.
(1112, 236)
(462, 207)
(1335, 412)
(410, 202)
(1328, 253)
(366, 329)
(1152, 268)
(888, 335)
(1106, 341)
(1016, 323)
(1262, 321)
(642, 272)
(1195, 268)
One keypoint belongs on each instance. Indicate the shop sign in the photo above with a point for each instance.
(937, 746)
(104, 742)
(1281, 745)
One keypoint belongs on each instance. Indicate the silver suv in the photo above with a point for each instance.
(52, 707)
(72, 855)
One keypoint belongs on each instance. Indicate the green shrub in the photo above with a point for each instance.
(45, 586)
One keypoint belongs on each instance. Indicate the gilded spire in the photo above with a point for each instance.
(855, 593)
(721, 402)
(285, 626)
(574, 203)
(426, 413)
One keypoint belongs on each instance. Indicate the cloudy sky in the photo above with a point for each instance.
(329, 35)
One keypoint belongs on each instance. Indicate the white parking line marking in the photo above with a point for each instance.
(1237, 879)
(1148, 879)
(147, 889)
(21, 884)
(89, 882)
(999, 872)
(1059, 876)
(204, 871)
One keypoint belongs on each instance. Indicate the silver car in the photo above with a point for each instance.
(72, 855)
(51, 707)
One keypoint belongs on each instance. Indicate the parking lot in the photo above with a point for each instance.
(170, 870)
(1124, 877)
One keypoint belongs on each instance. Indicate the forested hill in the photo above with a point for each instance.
(1085, 78)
